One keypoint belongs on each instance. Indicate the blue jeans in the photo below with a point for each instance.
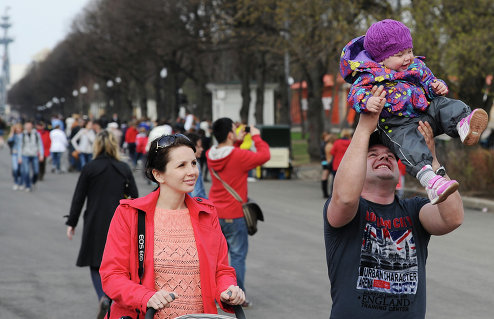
(236, 236)
(96, 278)
(27, 161)
(55, 158)
(16, 170)
(85, 158)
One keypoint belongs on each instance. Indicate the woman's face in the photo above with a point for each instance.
(181, 170)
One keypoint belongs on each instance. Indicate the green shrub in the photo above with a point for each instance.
(472, 167)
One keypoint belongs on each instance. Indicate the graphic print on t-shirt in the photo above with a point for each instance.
(388, 259)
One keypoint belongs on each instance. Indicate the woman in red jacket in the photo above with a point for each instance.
(186, 256)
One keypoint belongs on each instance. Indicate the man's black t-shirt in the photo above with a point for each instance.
(376, 263)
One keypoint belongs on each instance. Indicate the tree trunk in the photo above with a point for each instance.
(261, 80)
(143, 100)
(314, 114)
(301, 109)
(284, 112)
(158, 95)
(245, 89)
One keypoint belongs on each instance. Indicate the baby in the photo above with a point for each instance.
(384, 57)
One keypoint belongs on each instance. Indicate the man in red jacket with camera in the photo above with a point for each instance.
(232, 164)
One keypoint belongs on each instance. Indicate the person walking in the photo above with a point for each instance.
(140, 146)
(31, 153)
(339, 148)
(83, 142)
(327, 142)
(45, 137)
(199, 190)
(232, 164)
(3, 126)
(130, 139)
(14, 140)
(102, 183)
(58, 146)
(185, 264)
(376, 244)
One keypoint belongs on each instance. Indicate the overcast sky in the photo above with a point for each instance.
(37, 25)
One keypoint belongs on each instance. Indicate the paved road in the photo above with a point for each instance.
(286, 271)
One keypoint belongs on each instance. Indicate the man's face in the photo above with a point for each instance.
(28, 126)
(382, 164)
(234, 132)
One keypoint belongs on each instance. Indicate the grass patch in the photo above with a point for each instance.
(299, 149)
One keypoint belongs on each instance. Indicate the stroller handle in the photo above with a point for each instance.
(239, 312)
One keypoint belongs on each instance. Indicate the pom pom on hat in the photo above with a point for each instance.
(386, 38)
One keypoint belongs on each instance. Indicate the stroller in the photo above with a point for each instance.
(239, 314)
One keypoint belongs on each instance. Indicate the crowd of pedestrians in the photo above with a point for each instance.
(63, 145)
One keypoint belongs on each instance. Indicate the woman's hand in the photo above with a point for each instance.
(233, 296)
(161, 299)
(70, 232)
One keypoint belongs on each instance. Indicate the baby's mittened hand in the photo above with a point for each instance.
(439, 88)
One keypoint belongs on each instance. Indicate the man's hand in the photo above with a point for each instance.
(376, 102)
(439, 88)
(254, 130)
(426, 130)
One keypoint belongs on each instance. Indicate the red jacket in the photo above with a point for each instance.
(120, 256)
(45, 137)
(338, 150)
(141, 142)
(130, 134)
(233, 167)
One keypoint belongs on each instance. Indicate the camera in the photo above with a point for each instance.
(247, 129)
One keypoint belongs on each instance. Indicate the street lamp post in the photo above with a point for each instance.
(83, 91)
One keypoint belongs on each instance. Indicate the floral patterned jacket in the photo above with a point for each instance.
(408, 92)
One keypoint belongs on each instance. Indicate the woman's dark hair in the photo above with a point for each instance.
(158, 157)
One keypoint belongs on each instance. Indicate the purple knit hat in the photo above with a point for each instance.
(386, 38)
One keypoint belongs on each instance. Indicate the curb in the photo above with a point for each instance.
(313, 172)
(484, 205)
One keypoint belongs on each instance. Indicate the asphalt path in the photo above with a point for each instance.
(286, 267)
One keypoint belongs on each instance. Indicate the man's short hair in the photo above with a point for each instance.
(221, 128)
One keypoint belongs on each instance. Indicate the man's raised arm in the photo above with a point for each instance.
(350, 177)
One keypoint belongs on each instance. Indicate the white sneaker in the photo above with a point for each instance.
(28, 190)
(15, 187)
(471, 127)
(21, 187)
(439, 188)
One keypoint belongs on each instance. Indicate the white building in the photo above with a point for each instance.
(227, 101)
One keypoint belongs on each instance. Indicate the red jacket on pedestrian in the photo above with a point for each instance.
(119, 267)
(45, 138)
(130, 135)
(233, 165)
(338, 150)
